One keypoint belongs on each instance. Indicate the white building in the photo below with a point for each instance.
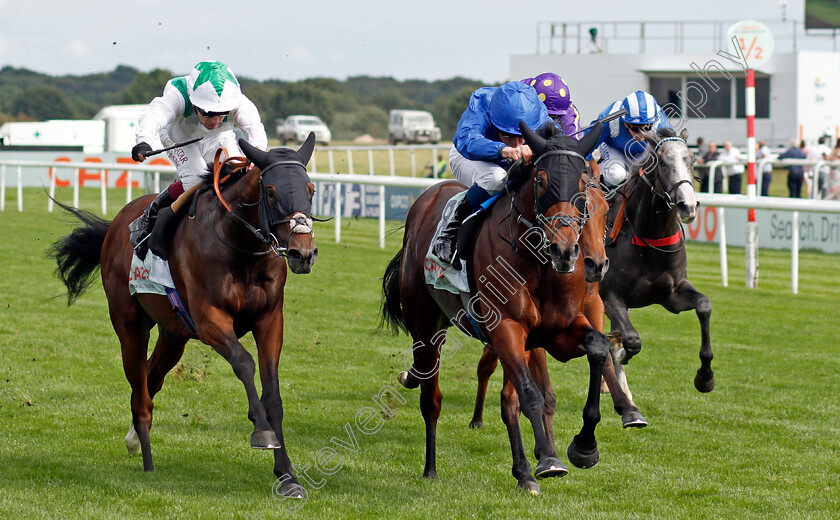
(686, 64)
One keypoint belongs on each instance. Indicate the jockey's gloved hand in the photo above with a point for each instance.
(517, 172)
(140, 150)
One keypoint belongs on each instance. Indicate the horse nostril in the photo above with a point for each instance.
(294, 255)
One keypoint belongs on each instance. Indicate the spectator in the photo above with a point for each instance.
(821, 152)
(763, 152)
(832, 187)
(702, 147)
(796, 172)
(734, 172)
(710, 156)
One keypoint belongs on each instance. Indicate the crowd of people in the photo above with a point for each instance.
(799, 175)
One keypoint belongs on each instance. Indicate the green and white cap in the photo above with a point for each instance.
(213, 87)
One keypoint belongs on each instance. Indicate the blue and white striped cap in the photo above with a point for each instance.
(641, 108)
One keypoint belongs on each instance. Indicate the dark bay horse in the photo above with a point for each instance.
(596, 264)
(529, 294)
(647, 253)
(227, 267)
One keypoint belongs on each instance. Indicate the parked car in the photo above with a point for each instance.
(296, 129)
(412, 126)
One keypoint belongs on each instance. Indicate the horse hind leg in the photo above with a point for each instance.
(486, 366)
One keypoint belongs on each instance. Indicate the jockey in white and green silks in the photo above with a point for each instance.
(207, 103)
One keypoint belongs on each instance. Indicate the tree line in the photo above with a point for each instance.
(352, 107)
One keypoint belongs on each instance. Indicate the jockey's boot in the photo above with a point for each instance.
(161, 233)
(444, 248)
(142, 225)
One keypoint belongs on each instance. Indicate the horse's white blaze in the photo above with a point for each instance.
(674, 157)
(132, 441)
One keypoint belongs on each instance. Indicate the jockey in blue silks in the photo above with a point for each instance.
(486, 141)
(622, 144)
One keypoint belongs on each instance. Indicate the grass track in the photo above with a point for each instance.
(764, 442)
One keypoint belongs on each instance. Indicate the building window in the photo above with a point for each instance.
(762, 98)
(708, 97)
(667, 91)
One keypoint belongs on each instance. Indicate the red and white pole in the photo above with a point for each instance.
(752, 226)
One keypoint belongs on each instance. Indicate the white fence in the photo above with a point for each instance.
(433, 151)
(720, 201)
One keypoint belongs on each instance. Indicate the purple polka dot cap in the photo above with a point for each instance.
(554, 92)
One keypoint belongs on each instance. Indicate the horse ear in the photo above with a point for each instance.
(536, 142)
(595, 168)
(308, 147)
(588, 142)
(254, 154)
(684, 134)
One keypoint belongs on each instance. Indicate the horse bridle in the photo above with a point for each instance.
(298, 222)
(665, 194)
(562, 219)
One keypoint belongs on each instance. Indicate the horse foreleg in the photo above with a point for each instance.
(215, 328)
(619, 316)
(622, 401)
(509, 339)
(268, 335)
(539, 371)
(510, 417)
(583, 450)
(685, 297)
(486, 366)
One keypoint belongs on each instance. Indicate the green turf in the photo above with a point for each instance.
(763, 444)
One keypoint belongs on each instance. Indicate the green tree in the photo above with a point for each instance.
(365, 119)
(41, 103)
(145, 87)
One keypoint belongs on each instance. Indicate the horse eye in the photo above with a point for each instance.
(270, 193)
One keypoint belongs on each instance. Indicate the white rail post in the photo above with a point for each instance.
(332, 162)
(434, 163)
(103, 185)
(157, 182)
(314, 163)
(724, 268)
(337, 213)
(128, 174)
(54, 172)
(794, 255)
(382, 216)
(20, 188)
(76, 188)
(3, 188)
(349, 161)
(413, 162)
(370, 161)
(815, 188)
(391, 159)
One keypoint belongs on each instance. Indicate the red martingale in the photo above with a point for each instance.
(657, 242)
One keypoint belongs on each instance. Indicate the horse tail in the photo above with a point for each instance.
(78, 254)
(391, 310)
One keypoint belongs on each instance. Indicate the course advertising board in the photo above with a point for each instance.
(819, 231)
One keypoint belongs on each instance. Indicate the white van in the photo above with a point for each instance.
(412, 126)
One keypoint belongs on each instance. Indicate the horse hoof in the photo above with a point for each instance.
(704, 385)
(265, 440)
(583, 459)
(431, 474)
(291, 489)
(530, 486)
(476, 423)
(633, 419)
(550, 467)
(132, 442)
(407, 381)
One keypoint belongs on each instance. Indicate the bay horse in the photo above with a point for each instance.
(647, 252)
(227, 264)
(545, 287)
(596, 264)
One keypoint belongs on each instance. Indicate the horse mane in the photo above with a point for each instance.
(227, 170)
(666, 132)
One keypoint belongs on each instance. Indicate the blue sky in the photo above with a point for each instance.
(267, 39)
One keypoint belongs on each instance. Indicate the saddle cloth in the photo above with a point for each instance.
(438, 274)
(150, 275)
